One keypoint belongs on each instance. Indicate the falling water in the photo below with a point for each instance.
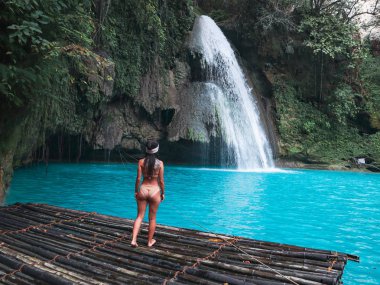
(237, 112)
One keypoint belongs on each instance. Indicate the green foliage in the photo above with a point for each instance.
(28, 24)
(374, 146)
(138, 33)
(318, 98)
(219, 15)
(329, 35)
(342, 104)
(36, 93)
(305, 130)
(370, 77)
(297, 120)
(196, 136)
(50, 79)
(278, 15)
(35, 31)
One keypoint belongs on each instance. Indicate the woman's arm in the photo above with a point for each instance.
(138, 177)
(161, 181)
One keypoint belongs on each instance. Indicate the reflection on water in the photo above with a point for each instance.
(322, 209)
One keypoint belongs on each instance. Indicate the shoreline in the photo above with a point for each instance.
(279, 163)
(283, 163)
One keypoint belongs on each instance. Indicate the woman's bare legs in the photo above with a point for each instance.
(154, 202)
(141, 206)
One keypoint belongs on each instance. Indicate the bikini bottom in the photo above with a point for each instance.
(148, 191)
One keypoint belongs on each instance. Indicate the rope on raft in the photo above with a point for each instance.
(45, 225)
(67, 256)
(243, 251)
(199, 260)
(10, 208)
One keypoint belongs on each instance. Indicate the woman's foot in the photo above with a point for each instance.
(150, 244)
(134, 244)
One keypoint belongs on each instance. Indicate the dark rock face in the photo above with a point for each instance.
(119, 126)
(194, 120)
(173, 106)
(129, 122)
(101, 74)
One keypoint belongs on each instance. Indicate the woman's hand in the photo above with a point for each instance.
(162, 197)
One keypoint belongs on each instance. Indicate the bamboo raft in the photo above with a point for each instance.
(43, 244)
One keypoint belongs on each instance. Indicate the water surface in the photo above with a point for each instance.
(321, 209)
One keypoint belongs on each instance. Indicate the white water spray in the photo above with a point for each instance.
(237, 112)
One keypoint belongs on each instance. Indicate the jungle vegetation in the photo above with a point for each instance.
(323, 71)
(325, 77)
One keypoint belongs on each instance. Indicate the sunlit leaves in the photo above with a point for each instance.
(329, 35)
(342, 104)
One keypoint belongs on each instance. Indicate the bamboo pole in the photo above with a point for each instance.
(32, 271)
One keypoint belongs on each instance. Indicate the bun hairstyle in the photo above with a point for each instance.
(151, 148)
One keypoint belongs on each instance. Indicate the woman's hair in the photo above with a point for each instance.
(150, 158)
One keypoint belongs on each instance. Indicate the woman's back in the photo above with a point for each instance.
(151, 178)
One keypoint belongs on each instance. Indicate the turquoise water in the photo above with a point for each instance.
(321, 209)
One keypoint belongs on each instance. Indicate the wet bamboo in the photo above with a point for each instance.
(182, 246)
(238, 257)
(191, 279)
(248, 262)
(270, 275)
(36, 262)
(84, 224)
(56, 212)
(285, 262)
(47, 253)
(161, 263)
(22, 222)
(247, 258)
(122, 247)
(271, 244)
(54, 236)
(126, 251)
(56, 269)
(223, 278)
(321, 278)
(34, 272)
(314, 256)
(6, 226)
(53, 251)
(158, 267)
(21, 278)
(93, 219)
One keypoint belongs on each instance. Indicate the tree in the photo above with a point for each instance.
(332, 30)
(278, 14)
(345, 9)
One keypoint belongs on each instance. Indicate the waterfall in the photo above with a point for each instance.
(237, 111)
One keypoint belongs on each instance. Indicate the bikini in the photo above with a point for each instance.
(148, 191)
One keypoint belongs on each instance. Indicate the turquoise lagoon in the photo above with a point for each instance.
(320, 209)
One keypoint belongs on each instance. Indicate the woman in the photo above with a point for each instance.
(151, 190)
